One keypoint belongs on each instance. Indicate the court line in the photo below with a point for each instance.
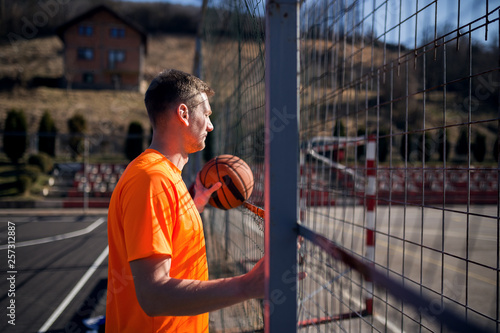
(428, 259)
(386, 322)
(67, 235)
(438, 263)
(76, 289)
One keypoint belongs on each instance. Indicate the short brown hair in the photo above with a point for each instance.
(170, 88)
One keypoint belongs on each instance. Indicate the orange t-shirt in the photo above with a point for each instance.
(151, 212)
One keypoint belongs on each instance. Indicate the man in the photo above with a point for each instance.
(157, 275)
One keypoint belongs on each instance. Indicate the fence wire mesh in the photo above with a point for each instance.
(421, 78)
(233, 65)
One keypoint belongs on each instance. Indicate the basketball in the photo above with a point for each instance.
(236, 178)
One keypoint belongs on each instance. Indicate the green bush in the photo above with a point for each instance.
(47, 132)
(43, 161)
(443, 146)
(383, 145)
(33, 172)
(360, 150)
(495, 150)
(77, 126)
(462, 144)
(424, 149)
(339, 129)
(15, 135)
(404, 149)
(24, 182)
(479, 147)
(134, 141)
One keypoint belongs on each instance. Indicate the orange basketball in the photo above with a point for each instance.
(236, 178)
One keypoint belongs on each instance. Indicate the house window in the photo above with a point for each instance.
(88, 77)
(85, 53)
(117, 32)
(115, 56)
(85, 30)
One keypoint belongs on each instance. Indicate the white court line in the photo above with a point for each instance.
(74, 291)
(67, 235)
(386, 322)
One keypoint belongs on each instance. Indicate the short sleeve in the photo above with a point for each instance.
(148, 216)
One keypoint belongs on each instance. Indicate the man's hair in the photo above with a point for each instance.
(171, 88)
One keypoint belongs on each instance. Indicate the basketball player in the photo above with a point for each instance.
(157, 273)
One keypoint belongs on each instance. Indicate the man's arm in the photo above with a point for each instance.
(160, 295)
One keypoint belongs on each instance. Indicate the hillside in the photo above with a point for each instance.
(106, 111)
(109, 112)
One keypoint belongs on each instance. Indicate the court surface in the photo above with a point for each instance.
(59, 270)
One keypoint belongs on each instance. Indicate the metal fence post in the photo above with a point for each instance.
(281, 164)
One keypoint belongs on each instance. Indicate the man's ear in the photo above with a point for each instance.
(183, 114)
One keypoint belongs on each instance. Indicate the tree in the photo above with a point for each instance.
(405, 151)
(495, 150)
(134, 140)
(479, 147)
(77, 126)
(47, 132)
(339, 129)
(443, 145)
(360, 150)
(15, 135)
(424, 147)
(383, 145)
(462, 146)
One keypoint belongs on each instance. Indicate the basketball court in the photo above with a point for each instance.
(60, 270)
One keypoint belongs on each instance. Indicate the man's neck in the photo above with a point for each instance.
(177, 158)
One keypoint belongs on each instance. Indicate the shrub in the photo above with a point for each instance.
(77, 126)
(47, 135)
(383, 145)
(443, 146)
(479, 147)
(339, 129)
(360, 150)
(24, 182)
(43, 161)
(31, 171)
(405, 151)
(495, 150)
(462, 145)
(426, 147)
(15, 136)
(134, 141)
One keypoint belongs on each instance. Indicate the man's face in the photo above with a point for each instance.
(200, 124)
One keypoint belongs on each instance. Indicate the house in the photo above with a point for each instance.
(103, 50)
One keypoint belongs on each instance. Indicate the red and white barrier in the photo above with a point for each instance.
(370, 195)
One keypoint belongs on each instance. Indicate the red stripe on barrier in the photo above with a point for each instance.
(370, 237)
(370, 203)
(370, 168)
(369, 306)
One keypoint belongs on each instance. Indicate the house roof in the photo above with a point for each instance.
(62, 28)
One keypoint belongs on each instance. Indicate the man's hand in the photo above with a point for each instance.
(254, 281)
(203, 194)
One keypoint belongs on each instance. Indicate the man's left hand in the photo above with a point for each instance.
(202, 194)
